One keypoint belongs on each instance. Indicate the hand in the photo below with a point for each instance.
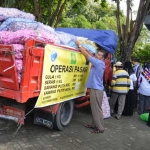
(77, 43)
(110, 88)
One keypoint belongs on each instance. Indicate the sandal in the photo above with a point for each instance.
(89, 126)
(96, 131)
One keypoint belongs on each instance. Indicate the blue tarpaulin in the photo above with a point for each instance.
(105, 38)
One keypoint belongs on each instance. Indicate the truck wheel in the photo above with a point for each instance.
(64, 115)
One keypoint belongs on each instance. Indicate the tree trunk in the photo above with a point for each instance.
(54, 16)
(50, 11)
(38, 11)
(60, 13)
(135, 29)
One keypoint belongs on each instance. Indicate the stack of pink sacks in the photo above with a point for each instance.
(15, 31)
(18, 38)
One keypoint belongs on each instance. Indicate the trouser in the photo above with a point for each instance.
(121, 102)
(144, 102)
(96, 97)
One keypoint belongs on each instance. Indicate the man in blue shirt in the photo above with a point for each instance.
(95, 84)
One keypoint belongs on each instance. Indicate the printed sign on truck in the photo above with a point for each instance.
(65, 73)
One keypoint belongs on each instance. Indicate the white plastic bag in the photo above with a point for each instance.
(105, 106)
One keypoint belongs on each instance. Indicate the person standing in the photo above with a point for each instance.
(144, 90)
(95, 84)
(120, 87)
(137, 69)
(128, 109)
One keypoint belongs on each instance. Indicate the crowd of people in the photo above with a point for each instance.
(130, 88)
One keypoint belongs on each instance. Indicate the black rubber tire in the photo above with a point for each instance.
(64, 115)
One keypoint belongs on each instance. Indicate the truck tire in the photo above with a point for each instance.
(64, 115)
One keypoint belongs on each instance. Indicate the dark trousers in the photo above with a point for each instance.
(136, 95)
(144, 102)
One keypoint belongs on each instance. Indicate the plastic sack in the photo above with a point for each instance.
(18, 37)
(144, 117)
(47, 37)
(15, 13)
(18, 49)
(89, 47)
(86, 41)
(44, 27)
(14, 24)
(2, 18)
(105, 106)
(65, 38)
(19, 77)
(18, 63)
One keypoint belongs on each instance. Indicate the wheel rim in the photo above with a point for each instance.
(65, 113)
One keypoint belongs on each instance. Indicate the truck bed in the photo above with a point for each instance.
(30, 84)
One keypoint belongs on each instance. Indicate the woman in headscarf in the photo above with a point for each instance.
(144, 89)
(128, 109)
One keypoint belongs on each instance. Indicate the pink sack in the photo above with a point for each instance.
(18, 64)
(105, 106)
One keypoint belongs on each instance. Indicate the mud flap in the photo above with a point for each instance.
(44, 118)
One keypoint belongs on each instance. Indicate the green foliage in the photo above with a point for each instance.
(100, 25)
(143, 53)
(76, 22)
(66, 22)
(142, 48)
(104, 3)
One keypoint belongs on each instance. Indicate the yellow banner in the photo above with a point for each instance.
(65, 73)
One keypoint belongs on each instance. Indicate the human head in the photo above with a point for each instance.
(101, 54)
(147, 66)
(119, 65)
(144, 65)
(127, 65)
(134, 60)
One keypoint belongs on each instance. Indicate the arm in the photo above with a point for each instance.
(113, 82)
(128, 82)
(134, 78)
(139, 80)
(83, 50)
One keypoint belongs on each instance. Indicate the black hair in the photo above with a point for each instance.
(147, 65)
(135, 59)
(128, 67)
(103, 50)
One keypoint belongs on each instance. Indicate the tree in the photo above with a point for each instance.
(129, 32)
(143, 53)
(46, 11)
(99, 15)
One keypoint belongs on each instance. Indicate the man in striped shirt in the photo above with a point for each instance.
(120, 87)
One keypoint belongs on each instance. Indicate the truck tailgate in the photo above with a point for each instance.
(8, 74)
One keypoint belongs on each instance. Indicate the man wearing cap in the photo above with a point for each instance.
(120, 87)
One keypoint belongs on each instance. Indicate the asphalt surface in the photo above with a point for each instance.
(128, 133)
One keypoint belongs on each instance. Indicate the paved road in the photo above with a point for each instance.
(129, 133)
